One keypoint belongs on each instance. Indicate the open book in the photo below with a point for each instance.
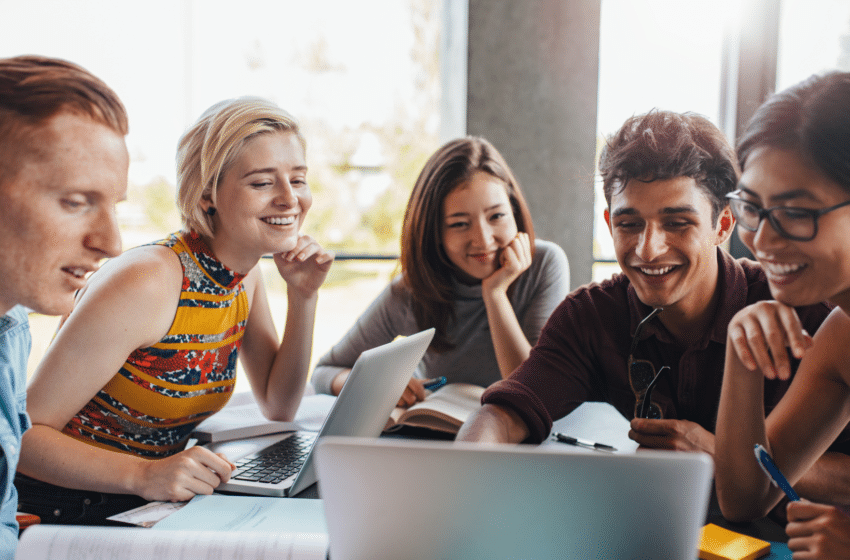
(241, 418)
(47, 542)
(444, 410)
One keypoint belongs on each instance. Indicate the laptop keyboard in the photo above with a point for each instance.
(276, 462)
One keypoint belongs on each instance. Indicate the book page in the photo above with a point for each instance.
(60, 542)
(241, 418)
(313, 411)
(147, 515)
(239, 421)
(445, 409)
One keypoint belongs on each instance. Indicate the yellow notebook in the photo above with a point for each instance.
(717, 543)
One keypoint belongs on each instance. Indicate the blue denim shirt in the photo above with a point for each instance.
(15, 344)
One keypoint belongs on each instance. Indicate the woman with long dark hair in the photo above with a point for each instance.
(470, 267)
(793, 212)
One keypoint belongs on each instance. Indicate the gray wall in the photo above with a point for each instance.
(529, 86)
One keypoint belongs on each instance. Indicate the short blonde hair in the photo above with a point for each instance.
(208, 149)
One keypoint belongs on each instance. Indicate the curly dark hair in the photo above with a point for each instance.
(666, 145)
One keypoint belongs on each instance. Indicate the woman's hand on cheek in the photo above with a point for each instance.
(515, 259)
(305, 267)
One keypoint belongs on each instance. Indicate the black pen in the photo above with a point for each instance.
(582, 442)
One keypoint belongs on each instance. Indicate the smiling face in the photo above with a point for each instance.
(799, 272)
(57, 214)
(261, 201)
(478, 222)
(665, 242)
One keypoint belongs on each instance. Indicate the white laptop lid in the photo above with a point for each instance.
(370, 393)
(390, 499)
(362, 408)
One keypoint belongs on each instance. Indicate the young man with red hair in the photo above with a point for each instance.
(63, 167)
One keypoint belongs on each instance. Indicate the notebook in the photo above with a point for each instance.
(370, 393)
(418, 500)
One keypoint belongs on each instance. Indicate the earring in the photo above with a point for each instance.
(210, 211)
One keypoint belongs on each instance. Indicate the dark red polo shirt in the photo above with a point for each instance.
(583, 351)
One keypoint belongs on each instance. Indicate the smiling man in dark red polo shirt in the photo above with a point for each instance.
(666, 176)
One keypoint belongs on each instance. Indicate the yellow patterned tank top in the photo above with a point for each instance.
(162, 392)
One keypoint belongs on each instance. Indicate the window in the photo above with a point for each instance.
(361, 77)
(814, 37)
(663, 54)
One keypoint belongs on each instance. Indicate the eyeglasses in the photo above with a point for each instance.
(798, 224)
(643, 377)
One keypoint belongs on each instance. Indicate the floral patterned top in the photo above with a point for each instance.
(162, 392)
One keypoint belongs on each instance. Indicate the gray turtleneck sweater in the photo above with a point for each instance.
(536, 293)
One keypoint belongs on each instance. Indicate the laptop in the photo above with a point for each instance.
(418, 500)
(362, 408)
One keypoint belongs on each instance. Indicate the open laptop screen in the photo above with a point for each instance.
(426, 500)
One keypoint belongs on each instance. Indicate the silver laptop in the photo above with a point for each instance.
(418, 500)
(370, 393)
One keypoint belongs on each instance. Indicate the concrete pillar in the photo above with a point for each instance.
(532, 71)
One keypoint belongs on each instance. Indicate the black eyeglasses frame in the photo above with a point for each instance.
(774, 222)
(644, 407)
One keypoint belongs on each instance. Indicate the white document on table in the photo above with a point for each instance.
(597, 422)
(247, 513)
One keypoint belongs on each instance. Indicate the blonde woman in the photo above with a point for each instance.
(150, 349)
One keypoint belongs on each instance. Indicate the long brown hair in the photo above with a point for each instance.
(425, 267)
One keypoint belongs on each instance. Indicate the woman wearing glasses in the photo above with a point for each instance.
(793, 209)
(470, 267)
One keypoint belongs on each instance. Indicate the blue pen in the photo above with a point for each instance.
(434, 384)
(772, 471)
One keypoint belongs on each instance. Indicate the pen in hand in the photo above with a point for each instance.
(570, 440)
(773, 473)
(434, 384)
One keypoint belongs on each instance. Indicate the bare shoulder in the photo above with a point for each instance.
(835, 328)
(138, 290)
(253, 281)
(149, 270)
(832, 341)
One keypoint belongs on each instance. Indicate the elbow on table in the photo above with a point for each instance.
(280, 417)
(279, 411)
(736, 508)
(278, 414)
